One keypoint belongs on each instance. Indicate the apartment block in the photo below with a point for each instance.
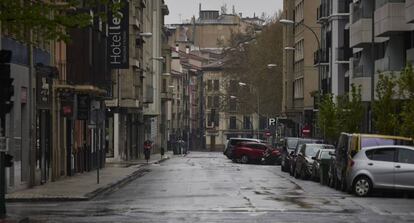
(382, 38)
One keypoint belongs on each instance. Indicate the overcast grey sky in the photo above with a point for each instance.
(185, 9)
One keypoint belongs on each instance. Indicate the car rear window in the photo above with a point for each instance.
(325, 155)
(291, 143)
(312, 150)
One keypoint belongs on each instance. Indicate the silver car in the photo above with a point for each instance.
(385, 167)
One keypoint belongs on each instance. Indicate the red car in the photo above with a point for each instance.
(272, 156)
(249, 152)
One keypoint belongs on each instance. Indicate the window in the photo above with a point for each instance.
(209, 119)
(232, 105)
(217, 119)
(209, 101)
(233, 87)
(216, 102)
(209, 85)
(246, 122)
(406, 156)
(233, 122)
(216, 85)
(298, 88)
(385, 154)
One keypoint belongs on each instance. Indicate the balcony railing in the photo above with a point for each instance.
(322, 12)
(380, 3)
(343, 53)
(360, 12)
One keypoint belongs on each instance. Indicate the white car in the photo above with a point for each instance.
(385, 167)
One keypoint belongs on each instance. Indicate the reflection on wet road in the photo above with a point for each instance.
(207, 187)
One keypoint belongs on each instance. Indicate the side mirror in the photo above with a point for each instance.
(314, 157)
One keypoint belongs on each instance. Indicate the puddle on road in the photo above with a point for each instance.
(294, 200)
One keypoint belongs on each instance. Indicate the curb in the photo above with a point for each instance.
(100, 191)
(117, 185)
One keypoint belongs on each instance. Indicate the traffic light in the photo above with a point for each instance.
(8, 160)
(6, 83)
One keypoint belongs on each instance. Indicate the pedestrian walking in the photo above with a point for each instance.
(147, 149)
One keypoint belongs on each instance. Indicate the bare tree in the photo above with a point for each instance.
(247, 61)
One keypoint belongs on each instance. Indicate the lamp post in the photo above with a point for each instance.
(291, 22)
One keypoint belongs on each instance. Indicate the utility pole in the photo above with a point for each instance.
(371, 106)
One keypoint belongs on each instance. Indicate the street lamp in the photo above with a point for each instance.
(271, 65)
(291, 22)
(233, 97)
(289, 48)
(148, 34)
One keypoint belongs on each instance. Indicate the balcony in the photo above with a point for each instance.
(322, 13)
(358, 69)
(388, 65)
(409, 9)
(361, 33)
(389, 18)
(320, 57)
(343, 54)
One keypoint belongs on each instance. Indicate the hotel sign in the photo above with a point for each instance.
(118, 36)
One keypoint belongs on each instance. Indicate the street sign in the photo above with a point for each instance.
(274, 121)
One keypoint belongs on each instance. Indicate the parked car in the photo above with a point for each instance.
(232, 142)
(271, 156)
(304, 159)
(294, 154)
(385, 167)
(320, 166)
(351, 144)
(289, 145)
(249, 152)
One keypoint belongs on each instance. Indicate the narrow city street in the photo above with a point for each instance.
(207, 187)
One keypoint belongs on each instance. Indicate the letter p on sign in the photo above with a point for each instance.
(272, 121)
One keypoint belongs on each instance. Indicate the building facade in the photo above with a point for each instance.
(382, 38)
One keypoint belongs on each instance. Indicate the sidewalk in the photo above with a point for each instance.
(84, 186)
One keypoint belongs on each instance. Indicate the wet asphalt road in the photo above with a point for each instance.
(207, 187)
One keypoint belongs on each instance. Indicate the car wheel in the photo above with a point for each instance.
(303, 174)
(362, 186)
(244, 159)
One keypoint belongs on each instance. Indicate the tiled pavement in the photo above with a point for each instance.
(84, 186)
